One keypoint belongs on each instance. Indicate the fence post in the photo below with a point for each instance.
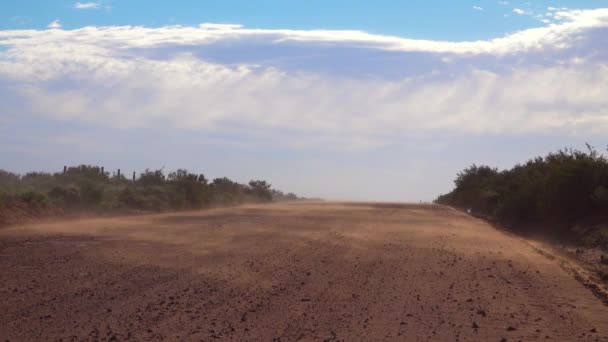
(134, 176)
(65, 169)
(118, 174)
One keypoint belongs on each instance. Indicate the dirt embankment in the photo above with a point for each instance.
(286, 272)
(16, 210)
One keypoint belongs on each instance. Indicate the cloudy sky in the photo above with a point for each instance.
(382, 100)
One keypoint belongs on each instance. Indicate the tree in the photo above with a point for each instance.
(151, 178)
(261, 190)
(193, 188)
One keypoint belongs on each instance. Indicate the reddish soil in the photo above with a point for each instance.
(15, 210)
(286, 272)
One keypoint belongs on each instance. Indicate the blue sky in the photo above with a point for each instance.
(423, 19)
(383, 100)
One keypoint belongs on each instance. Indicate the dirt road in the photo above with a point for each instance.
(286, 272)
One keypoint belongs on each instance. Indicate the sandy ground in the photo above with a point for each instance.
(286, 272)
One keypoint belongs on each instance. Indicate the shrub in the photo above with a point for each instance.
(66, 195)
(9, 182)
(129, 198)
(190, 189)
(555, 192)
(91, 193)
(150, 198)
(33, 198)
(280, 196)
(260, 190)
(151, 178)
(226, 191)
(90, 187)
(81, 173)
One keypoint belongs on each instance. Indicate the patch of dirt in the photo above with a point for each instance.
(15, 210)
(285, 272)
(573, 261)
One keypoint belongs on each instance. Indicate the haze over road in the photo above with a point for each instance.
(286, 272)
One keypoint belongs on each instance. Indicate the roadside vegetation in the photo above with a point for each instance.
(87, 188)
(562, 195)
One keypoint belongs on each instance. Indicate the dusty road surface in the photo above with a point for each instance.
(287, 272)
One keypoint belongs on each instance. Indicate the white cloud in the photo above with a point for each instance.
(55, 25)
(87, 5)
(478, 8)
(519, 11)
(206, 34)
(550, 79)
(219, 27)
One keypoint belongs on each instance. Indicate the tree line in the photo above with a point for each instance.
(563, 194)
(87, 187)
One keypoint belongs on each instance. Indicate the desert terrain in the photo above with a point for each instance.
(308, 271)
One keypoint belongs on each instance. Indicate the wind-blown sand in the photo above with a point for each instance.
(286, 272)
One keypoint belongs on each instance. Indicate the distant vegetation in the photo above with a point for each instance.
(564, 194)
(91, 188)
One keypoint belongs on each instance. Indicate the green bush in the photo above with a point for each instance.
(190, 190)
(9, 182)
(33, 198)
(84, 173)
(149, 198)
(260, 190)
(128, 198)
(91, 193)
(225, 191)
(151, 178)
(90, 187)
(554, 192)
(64, 195)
